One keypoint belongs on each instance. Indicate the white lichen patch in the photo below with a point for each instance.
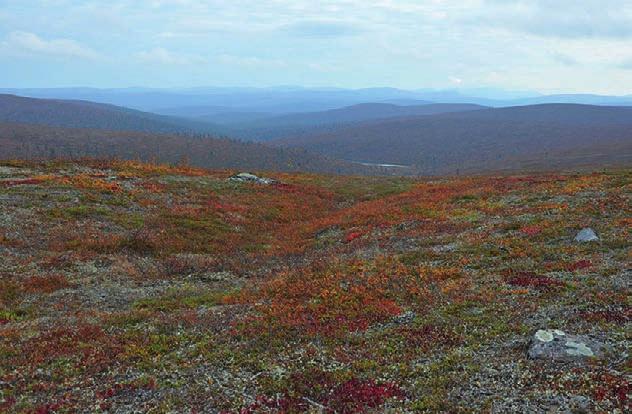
(578, 349)
(544, 336)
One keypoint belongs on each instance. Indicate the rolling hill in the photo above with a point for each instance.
(221, 115)
(22, 141)
(553, 136)
(308, 123)
(85, 114)
(586, 99)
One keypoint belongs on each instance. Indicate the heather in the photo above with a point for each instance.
(127, 286)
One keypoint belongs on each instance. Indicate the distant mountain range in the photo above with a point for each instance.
(550, 136)
(283, 100)
(584, 99)
(269, 100)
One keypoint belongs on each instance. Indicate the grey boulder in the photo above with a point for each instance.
(245, 177)
(586, 235)
(556, 345)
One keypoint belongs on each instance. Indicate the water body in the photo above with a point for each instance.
(369, 164)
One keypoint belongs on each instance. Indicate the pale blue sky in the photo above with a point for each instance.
(547, 46)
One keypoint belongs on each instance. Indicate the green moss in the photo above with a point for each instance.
(180, 298)
(132, 221)
(436, 379)
(461, 214)
(465, 198)
(10, 293)
(422, 212)
(418, 257)
(78, 212)
(11, 315)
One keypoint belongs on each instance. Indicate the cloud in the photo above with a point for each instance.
(626, 64)
(29, 44)
(578, 44)
(561, 18)
(251, 61)
(564, 59)
(166, 57)
(455, 81)
(321, 29)
(322, 67)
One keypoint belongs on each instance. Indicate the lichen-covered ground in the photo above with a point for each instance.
(127, 287)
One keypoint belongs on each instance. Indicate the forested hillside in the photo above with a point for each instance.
(33, 141)
(84, 114)
(293, 125)
(541, 137)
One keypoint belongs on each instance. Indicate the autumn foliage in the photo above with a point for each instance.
(170, 288)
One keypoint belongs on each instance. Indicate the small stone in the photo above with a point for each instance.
(217, 276)
(586, 235)
(404, 318)
(445, 248)
(579, 404)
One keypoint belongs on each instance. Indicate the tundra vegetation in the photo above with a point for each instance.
(151, 288)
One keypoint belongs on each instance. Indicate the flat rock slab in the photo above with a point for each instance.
(556, 345)
(586, 235)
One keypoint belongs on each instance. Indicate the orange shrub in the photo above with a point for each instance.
(88, 182)
(45, 284)
(333, 300)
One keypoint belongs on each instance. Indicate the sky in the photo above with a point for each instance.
(549, 46)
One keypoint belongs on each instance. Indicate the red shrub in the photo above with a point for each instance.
(319, 388)
(287, 188)
(429, 336)
(27, 181)
(118, 389)
(89, 345)
(282, 404)
(581, 264)
(562, 266)
(352, 236)
(532, 280)
(608, 315)
(531, 230)
(8, 403)
(222, 206)
(614, 389)
(49, 408)
(45, 284)
(356, 396)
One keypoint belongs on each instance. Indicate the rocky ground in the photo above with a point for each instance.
(129, 287)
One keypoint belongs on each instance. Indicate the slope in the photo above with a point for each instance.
(326, 121)
(84, 114)
(546, 136)
(21, 141)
